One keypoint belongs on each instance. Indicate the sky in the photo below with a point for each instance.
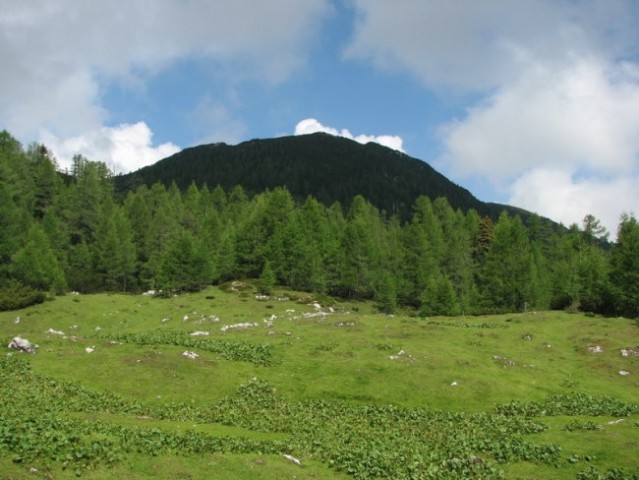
(532, 103)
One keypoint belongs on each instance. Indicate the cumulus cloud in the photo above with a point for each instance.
(555, 122)
(481, 45)
(124, 148)
(564, 142)
(59, 56)
(567, 199)
(585, 116)
(311, 125)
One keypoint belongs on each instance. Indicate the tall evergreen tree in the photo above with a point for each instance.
(625, 266)
(506, 270)
(35, 263)
(115, 250)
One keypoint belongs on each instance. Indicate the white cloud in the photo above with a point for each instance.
(481, 45)
(124, 148)
(585, 116)
(560, 196)
(565, 142)
(59, 56)
(311, 125)
(556, 116)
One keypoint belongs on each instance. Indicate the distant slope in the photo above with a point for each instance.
(327, 167)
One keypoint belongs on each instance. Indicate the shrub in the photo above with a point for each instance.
(15, 295)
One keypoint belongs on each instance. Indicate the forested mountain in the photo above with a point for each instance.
(61, 233)
(331, 169)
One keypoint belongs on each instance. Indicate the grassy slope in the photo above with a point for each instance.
(343, 356)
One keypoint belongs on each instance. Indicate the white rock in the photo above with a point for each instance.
(199, 333)
(595, 349)
(22, 344)
(189, 354)
(454, 384)
(292, 459)
(55, 332)
(90, 349)
(624, 372)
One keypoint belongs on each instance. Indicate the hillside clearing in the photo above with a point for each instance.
(348, 391)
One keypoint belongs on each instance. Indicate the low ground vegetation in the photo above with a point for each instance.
(312, 389)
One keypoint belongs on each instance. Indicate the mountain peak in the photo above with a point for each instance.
(328, 167)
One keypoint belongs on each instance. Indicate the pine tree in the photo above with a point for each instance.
(439, 297)
(36, 265)
(505, 273)
(115, 250)
(267, 279)
(625, 266)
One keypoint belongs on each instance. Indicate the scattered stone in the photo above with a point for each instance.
(345, 324)
(17, 320)
(97, 329)
(90, 349)
(595, 349)
(624, 373)
(165, 319)
(238, 326)
(615, 422)
(454, 384)
(401, 355)
(527, 337)
(22, 345)
(506, 362)
(315, 314)
(292, 459)
(199, 333)
(630, 352)
(189, 354)
(186, 318)
(149, 293)
(51, 331)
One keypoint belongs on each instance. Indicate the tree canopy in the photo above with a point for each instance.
(73, 232)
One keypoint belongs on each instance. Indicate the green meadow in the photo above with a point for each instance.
(301, 386)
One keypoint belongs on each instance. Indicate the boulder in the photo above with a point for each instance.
(22, 345)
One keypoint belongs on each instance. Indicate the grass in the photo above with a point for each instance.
(345, 354)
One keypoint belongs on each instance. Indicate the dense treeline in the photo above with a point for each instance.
(71, 233)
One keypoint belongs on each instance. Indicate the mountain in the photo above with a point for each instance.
(327, 167)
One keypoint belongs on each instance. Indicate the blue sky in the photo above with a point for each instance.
(533, 103)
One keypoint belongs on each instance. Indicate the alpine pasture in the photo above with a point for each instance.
(227, 383)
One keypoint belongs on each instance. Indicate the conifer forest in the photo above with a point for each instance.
(71, 231)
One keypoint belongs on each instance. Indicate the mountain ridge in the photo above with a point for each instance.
(329, 168)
